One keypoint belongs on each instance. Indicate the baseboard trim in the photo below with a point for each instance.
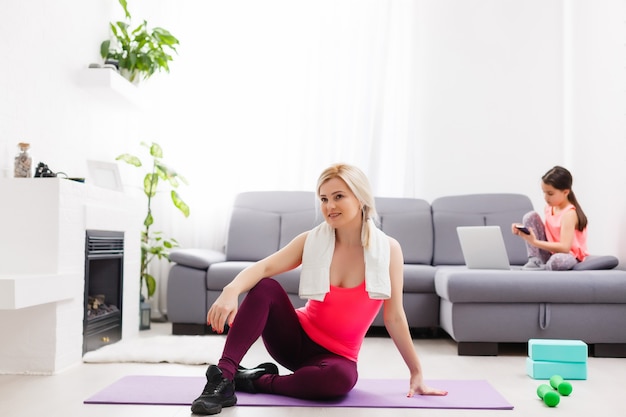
(190, 329)
(609, 350)
(477, 349)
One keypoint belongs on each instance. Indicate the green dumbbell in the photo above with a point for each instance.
(562, 386)
(547, 394)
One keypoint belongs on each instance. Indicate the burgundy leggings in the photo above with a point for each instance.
(316, 372)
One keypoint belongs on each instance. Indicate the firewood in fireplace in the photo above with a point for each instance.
(96, 301)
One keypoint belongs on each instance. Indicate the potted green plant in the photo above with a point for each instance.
(139, 52)
(154, 245)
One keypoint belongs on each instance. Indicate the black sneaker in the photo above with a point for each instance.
(218, 392)
(244, 376)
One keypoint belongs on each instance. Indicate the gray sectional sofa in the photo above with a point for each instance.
(478, 308)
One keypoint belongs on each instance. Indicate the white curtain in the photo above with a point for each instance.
(265, 95)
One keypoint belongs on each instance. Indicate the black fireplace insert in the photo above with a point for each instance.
(104, 270)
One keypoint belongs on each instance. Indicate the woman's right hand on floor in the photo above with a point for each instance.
(222, 311)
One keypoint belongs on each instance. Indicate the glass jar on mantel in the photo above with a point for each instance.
(23, 162)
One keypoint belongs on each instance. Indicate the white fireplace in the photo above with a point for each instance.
(42, 268)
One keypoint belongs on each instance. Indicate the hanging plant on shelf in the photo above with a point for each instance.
(154, 245)
(138, 53)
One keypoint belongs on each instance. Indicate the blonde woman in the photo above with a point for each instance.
(350, 269)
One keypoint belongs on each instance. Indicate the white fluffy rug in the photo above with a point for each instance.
(189, 350)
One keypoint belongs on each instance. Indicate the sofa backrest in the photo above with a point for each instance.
(409, 221)
(263, 222)
(477, 210)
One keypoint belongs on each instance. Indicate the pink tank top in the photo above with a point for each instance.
(553, 232)
(339, 323)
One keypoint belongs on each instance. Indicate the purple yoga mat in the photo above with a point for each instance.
(368, 393)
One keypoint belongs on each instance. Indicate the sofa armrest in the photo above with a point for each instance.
(196, 258)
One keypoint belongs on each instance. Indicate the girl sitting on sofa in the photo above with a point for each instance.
(561, 242)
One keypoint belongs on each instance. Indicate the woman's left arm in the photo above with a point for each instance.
(398, 328)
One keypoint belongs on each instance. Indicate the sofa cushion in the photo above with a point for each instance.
(222, 273)
(462, 285)
(419, 278)
(447, 249)
(263, 222)
(409, 221)
(477, 210)
(290, 280)
(252, 235)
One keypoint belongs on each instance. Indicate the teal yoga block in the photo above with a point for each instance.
(554, 350)
(546, 369)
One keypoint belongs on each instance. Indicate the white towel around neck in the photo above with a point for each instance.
(318, 254)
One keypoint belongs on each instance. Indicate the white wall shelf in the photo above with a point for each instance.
(108, 79)
(21, 291)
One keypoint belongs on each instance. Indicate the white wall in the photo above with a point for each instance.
(596, 118)
(491, 77)
(512, 88)
(508, 89)
(42, 101)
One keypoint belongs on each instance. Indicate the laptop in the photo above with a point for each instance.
(483, 247)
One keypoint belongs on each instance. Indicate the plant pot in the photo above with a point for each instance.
(132, 76)
(144, 314)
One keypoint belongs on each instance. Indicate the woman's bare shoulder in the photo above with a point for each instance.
(393, 243)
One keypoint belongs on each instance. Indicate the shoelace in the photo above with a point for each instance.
(213, 388)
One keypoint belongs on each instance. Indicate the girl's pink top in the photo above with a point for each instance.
(553, 232)
(339, 323)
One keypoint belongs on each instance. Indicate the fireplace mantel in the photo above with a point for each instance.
(21, 291)
(42, 251)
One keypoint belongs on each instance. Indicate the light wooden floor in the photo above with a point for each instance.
(63, 394)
